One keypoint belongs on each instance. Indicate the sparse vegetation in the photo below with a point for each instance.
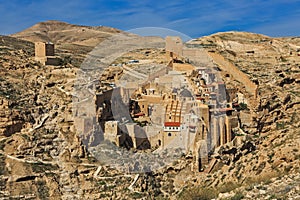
(32, 89)
(243, 106)
(40, 167)
(198, 193)
(66, 60)
(43, 191)
(280, 125)
(238, 196)
(2, 144)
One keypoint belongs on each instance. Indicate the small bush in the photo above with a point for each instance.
(237, 196)
(243, 106)
(43, 190)
(279, 125)
(198, 193)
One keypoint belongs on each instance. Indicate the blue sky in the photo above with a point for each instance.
(193, 18)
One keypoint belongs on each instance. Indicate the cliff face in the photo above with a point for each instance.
(41, 156)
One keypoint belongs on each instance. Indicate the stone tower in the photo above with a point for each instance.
(44, 53)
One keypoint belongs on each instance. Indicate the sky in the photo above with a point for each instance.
(194, 18)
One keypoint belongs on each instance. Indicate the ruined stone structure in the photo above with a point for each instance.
(44, 53)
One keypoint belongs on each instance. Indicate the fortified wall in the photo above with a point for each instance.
(238, 75)
(175, 49)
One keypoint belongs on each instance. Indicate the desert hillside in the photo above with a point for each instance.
(272, 63)
(64, 33)
(72, 41)
(41, 157)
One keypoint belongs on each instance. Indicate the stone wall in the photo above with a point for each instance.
(183, 67)
(138, 136)
(111, 131)
(158, 74)
(43, 49)
(155, 137)
(238, 75)
(174, 47)
(44, 53)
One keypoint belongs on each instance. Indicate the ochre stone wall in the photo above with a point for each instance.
(158, 74)
(143, 104)
(238, 75)
(152, 99)
(111, 131)
(44, 49)
(174, 47)
(183, 67)
(44, 53)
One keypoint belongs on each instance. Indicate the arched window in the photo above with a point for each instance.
(159, 142)
(169, 134)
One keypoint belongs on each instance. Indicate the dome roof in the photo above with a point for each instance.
(186, 93)
(174, 90)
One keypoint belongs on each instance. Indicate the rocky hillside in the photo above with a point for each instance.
(72, 41)
(41, 157)
(274, 132)
(64, 33)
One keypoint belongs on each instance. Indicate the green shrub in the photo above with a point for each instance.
(243, 106)
(279, 125)
(198, 193)
(237, 196)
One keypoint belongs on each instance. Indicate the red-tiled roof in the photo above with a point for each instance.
(139, 114)
(172, 124)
